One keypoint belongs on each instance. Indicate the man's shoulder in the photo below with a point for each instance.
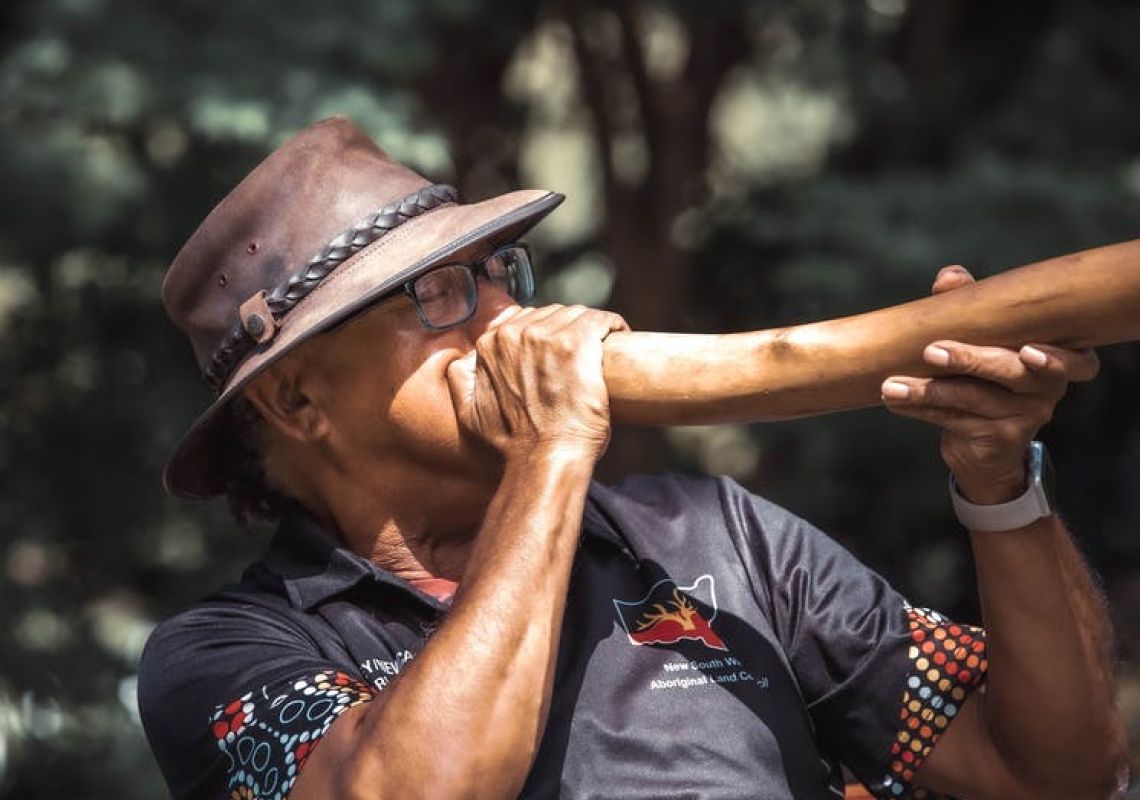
(251, 606)
(672, 493)
(655, 514)
(656, 490)
(651, 512)
(256, 586)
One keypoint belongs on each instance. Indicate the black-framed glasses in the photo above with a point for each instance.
(447, 295)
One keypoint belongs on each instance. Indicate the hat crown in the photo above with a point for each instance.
(322, 181)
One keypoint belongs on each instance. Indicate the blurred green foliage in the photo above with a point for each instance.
(731, 165)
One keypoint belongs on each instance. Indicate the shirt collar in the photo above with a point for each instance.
(314, 564)
(598, 524)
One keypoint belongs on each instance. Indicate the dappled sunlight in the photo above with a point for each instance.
(771, 130)
(727, 166)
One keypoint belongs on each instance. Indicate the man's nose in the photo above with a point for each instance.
(490, 304)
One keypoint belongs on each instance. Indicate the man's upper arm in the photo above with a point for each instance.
(967, 761)
(323, 773)
(234, 699)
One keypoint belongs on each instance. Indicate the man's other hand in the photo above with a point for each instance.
(990, 404)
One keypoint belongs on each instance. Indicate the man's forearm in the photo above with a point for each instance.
(467, 716)
(1049, 698)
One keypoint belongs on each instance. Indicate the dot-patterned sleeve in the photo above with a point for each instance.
(947, 662)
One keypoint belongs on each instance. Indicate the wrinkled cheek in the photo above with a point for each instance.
(422, 415)
(415, 403)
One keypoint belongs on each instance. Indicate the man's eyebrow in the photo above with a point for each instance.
(393, 301)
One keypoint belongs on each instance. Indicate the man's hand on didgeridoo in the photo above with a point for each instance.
(991, 404)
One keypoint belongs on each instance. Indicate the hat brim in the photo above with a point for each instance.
(198, 468)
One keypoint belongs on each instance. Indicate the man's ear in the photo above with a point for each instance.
(281, 396)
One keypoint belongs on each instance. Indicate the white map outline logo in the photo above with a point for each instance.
(687, 621)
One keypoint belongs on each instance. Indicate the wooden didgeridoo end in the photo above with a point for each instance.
(1085, 299)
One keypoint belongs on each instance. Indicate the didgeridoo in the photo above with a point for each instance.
(1085, 299)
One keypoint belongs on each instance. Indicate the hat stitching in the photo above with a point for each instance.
(344, 246)
(369, 254)
(238, 343)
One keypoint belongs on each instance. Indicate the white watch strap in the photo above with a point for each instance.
(1017, 513)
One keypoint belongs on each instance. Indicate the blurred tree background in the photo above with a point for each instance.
(730, 165)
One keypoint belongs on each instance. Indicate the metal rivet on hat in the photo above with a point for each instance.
(257, 318)
(255, 325)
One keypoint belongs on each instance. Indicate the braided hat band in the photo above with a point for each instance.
(260, 315)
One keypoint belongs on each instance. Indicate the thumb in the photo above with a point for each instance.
(952, 277)
(461, 384)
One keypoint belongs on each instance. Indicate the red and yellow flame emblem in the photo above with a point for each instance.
(665, 626)
(668, 614)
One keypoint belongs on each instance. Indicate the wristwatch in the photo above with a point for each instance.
(1037, 502)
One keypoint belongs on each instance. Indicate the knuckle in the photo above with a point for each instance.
(931, 393)
(1010, 433)
(948, 449)
(1056, 372)
(1091, 365)
(943, 394)
(998, 365)
(1049, 392)
(486, 342)
(1044, 414)
(592, 317)
(617, 320)
(964, 359)
(1031, 386)
(508, 329)
(973, 396)
(952, 454)
(552, 312)
(564, 342)
(1001, 363)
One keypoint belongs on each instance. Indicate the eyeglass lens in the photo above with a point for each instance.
(447, 295)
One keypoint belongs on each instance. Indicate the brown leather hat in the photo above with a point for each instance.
(323, 227)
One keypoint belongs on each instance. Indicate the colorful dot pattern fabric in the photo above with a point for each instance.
(947, 662)
(266, 736)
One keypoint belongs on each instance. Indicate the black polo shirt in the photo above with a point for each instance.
(713, 646)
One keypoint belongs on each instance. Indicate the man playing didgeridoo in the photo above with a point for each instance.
(452, 608)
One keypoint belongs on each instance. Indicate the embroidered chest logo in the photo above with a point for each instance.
(669, 613)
